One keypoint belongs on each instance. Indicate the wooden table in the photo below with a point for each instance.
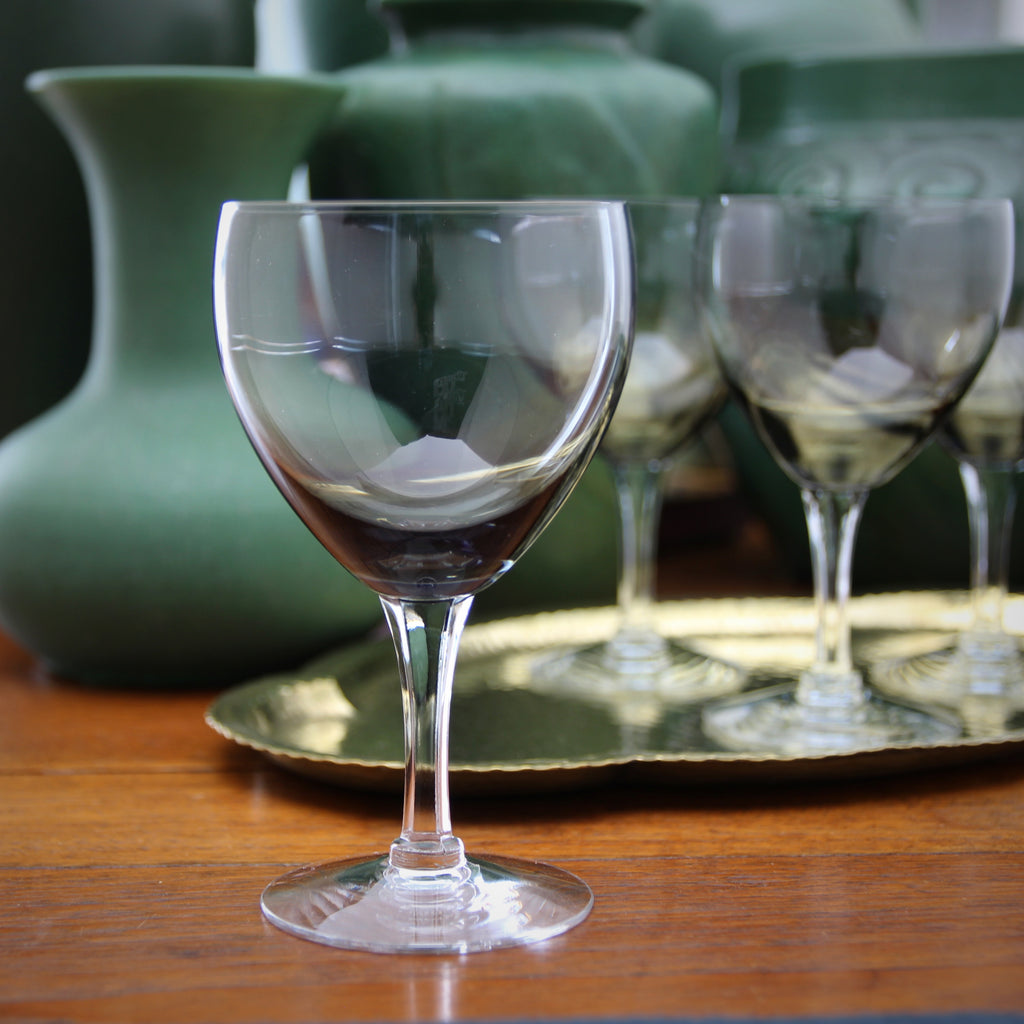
(134, 843)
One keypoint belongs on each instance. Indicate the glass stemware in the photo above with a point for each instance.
(425, 383)
(982, 672)
(673, 388)
(847, 332)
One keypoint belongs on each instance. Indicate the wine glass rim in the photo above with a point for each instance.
(308, 206)
(879, 202)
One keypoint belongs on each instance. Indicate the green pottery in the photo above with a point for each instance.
(705, 36)
(44, 356)
(505, 99)
(141, 542)
(940, 123)
(489, 99)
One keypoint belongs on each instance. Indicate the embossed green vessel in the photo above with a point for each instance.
(706, 36)
(507, 99)
(141, 542)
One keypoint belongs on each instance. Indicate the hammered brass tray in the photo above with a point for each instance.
(340, 718)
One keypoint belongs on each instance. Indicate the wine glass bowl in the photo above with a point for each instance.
(848, 333)
(673, 388)
(425, 383)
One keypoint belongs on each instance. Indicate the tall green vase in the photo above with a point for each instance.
(43, 358)
(141, 541)
(504, 99)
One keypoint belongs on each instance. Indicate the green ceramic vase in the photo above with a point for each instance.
(141, 542)
(707, 36)
(43, 357)
(505, 99)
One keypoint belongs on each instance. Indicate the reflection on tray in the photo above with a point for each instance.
(341, 717)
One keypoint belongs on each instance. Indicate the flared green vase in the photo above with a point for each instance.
(141, 541)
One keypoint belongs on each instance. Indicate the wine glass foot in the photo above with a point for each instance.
(365, 904)
(772, 721)
(642, 666)
(982, 678)
(992, 666)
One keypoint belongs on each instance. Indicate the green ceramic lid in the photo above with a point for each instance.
(417, 15)
(768, 96)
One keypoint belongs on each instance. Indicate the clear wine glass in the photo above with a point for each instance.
(847, 332)
(425, 383)
(982, 672)
(673, 388)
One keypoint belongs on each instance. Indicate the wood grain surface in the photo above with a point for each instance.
(134, 843)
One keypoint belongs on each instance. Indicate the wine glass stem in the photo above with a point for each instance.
(426, 635)
(832, 521)
(639, 489)
(991, 499)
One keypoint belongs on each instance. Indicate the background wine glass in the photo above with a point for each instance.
(847, 333)
(425, 383)
(982, 672)
(673, 388)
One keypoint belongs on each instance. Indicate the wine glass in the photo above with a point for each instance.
(848, 331)
(425, 383)
(673, 388)
(982, 672)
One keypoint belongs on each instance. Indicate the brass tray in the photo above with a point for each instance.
(340, 718)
